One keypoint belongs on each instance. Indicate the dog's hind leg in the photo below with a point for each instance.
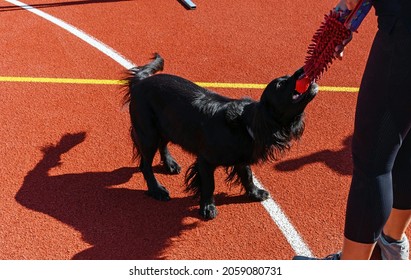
(155, 189)
(169, 162)
(147, 147)
(246, 177)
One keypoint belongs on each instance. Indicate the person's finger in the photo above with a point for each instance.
(346, 41)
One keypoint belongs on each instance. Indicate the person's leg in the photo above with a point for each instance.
(393, 242)
(356, 251)
(383, 120)
(394, 228)
(400, 217)
(397, 224)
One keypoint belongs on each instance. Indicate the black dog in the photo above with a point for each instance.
(218, 130)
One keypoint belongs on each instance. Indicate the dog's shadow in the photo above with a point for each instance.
(339, 161)
(118, 223)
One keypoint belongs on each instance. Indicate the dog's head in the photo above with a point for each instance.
(283, 102)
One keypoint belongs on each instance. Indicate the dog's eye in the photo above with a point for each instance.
(281, 84)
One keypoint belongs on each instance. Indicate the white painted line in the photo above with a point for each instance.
(78, 33)
(281, 220)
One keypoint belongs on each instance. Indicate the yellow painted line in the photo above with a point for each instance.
(120, 82)
(231, 85)
(339, 89)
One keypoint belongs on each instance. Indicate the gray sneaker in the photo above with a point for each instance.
(331, 257)
(394, 251)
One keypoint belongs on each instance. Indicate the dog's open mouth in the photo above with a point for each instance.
(308, 94)
(304, 88)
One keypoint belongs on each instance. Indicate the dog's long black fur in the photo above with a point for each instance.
(219, 131)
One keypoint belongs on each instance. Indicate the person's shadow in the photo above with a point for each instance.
(339, 161)
(119, 223)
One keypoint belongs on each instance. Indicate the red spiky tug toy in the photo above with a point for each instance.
(336, 28)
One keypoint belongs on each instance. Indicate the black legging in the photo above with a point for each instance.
(382, 139)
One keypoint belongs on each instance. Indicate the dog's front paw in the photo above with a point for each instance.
(259, 194)
(160, 193)
(208, 211)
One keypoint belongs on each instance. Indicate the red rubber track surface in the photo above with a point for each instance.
(69, 189)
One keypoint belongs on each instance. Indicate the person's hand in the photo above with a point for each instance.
(342, 7)
(339, 50)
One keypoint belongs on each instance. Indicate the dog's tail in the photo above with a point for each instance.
(138, 73)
